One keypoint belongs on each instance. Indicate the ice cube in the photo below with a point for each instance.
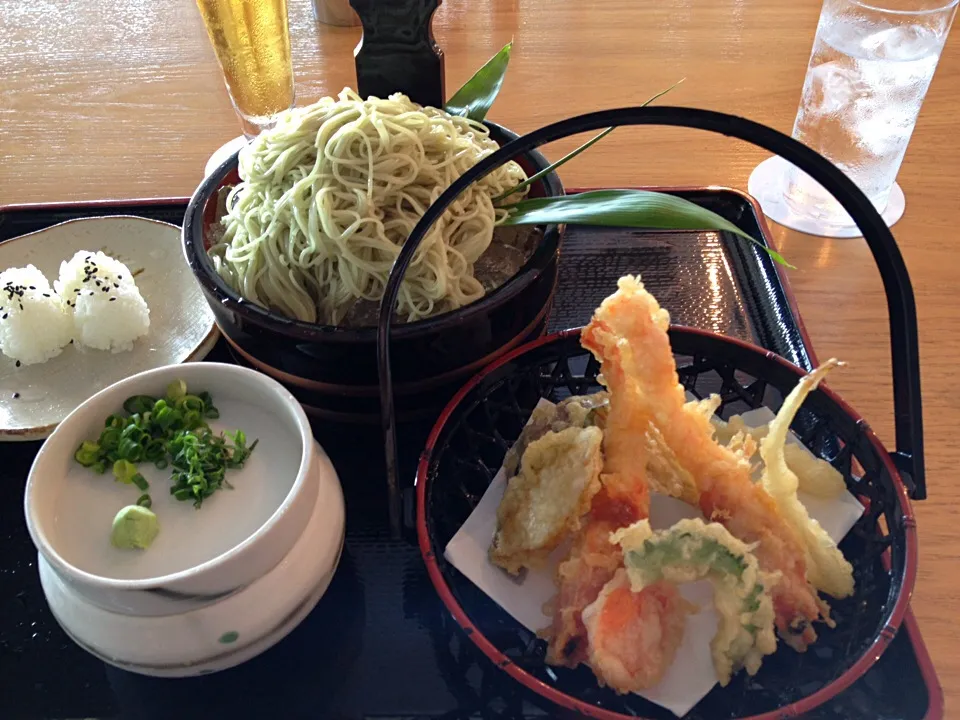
(912, 42)
(830, 88)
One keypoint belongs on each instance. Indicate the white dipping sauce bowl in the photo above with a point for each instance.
(201, 555)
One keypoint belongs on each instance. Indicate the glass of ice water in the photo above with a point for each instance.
(869, 71)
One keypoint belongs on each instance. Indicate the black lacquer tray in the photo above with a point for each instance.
(380, 644)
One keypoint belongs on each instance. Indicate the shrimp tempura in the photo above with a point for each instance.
(629, 638)
(623, 500)
(632, 317)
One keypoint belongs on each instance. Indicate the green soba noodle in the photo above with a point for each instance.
(331, 193)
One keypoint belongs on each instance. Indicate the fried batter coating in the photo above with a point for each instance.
(559, 475)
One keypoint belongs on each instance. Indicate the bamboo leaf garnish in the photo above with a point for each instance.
(571, 155)
(626, 208)
(476, 96)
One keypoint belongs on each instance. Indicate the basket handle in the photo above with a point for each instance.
(908, 418)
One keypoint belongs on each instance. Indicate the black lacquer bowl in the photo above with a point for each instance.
(467, 447)
(333, 370)
(469, 441)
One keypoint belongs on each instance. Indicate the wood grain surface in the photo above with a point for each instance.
(123, 98)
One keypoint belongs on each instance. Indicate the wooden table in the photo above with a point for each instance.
(123, 98)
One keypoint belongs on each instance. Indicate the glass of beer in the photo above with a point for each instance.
(251, 39)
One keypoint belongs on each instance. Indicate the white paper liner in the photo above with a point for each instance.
(692, 675)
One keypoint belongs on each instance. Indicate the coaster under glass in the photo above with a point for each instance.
(767, 183)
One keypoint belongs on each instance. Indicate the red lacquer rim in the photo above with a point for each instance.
(927, 671)
(804, 705)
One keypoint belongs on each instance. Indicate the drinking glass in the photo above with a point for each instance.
(870, 67)
(251, 39)
(869, 71)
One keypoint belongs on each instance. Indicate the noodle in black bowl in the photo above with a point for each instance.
(332, 369)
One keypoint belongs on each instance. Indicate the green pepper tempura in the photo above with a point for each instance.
(171, 431)
(691, 550)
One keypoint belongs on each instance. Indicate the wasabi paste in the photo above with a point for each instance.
(134, 528)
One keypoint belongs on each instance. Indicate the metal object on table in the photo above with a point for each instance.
(397, 52)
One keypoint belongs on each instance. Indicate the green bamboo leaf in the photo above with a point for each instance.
(571, 155)
(626, 208)
(476, 96)
(543, 173)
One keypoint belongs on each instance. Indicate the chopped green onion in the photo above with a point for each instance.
(87, 454)
(138, 404)
(171, 431)
(190, 402)
(155, 450)
(166, 417)
(109, 438)
(124, 470)
(129, 450)
(176, 390)
(144, 501)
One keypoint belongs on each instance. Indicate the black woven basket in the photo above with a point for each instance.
(468, 443)
(467, 447)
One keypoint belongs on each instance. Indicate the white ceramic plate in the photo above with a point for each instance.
(35, 398)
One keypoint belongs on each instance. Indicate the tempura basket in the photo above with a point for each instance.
(468, 443)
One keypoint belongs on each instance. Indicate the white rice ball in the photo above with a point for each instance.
(34, 325)
(110, 318)
(108, 311)
(85, 269)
